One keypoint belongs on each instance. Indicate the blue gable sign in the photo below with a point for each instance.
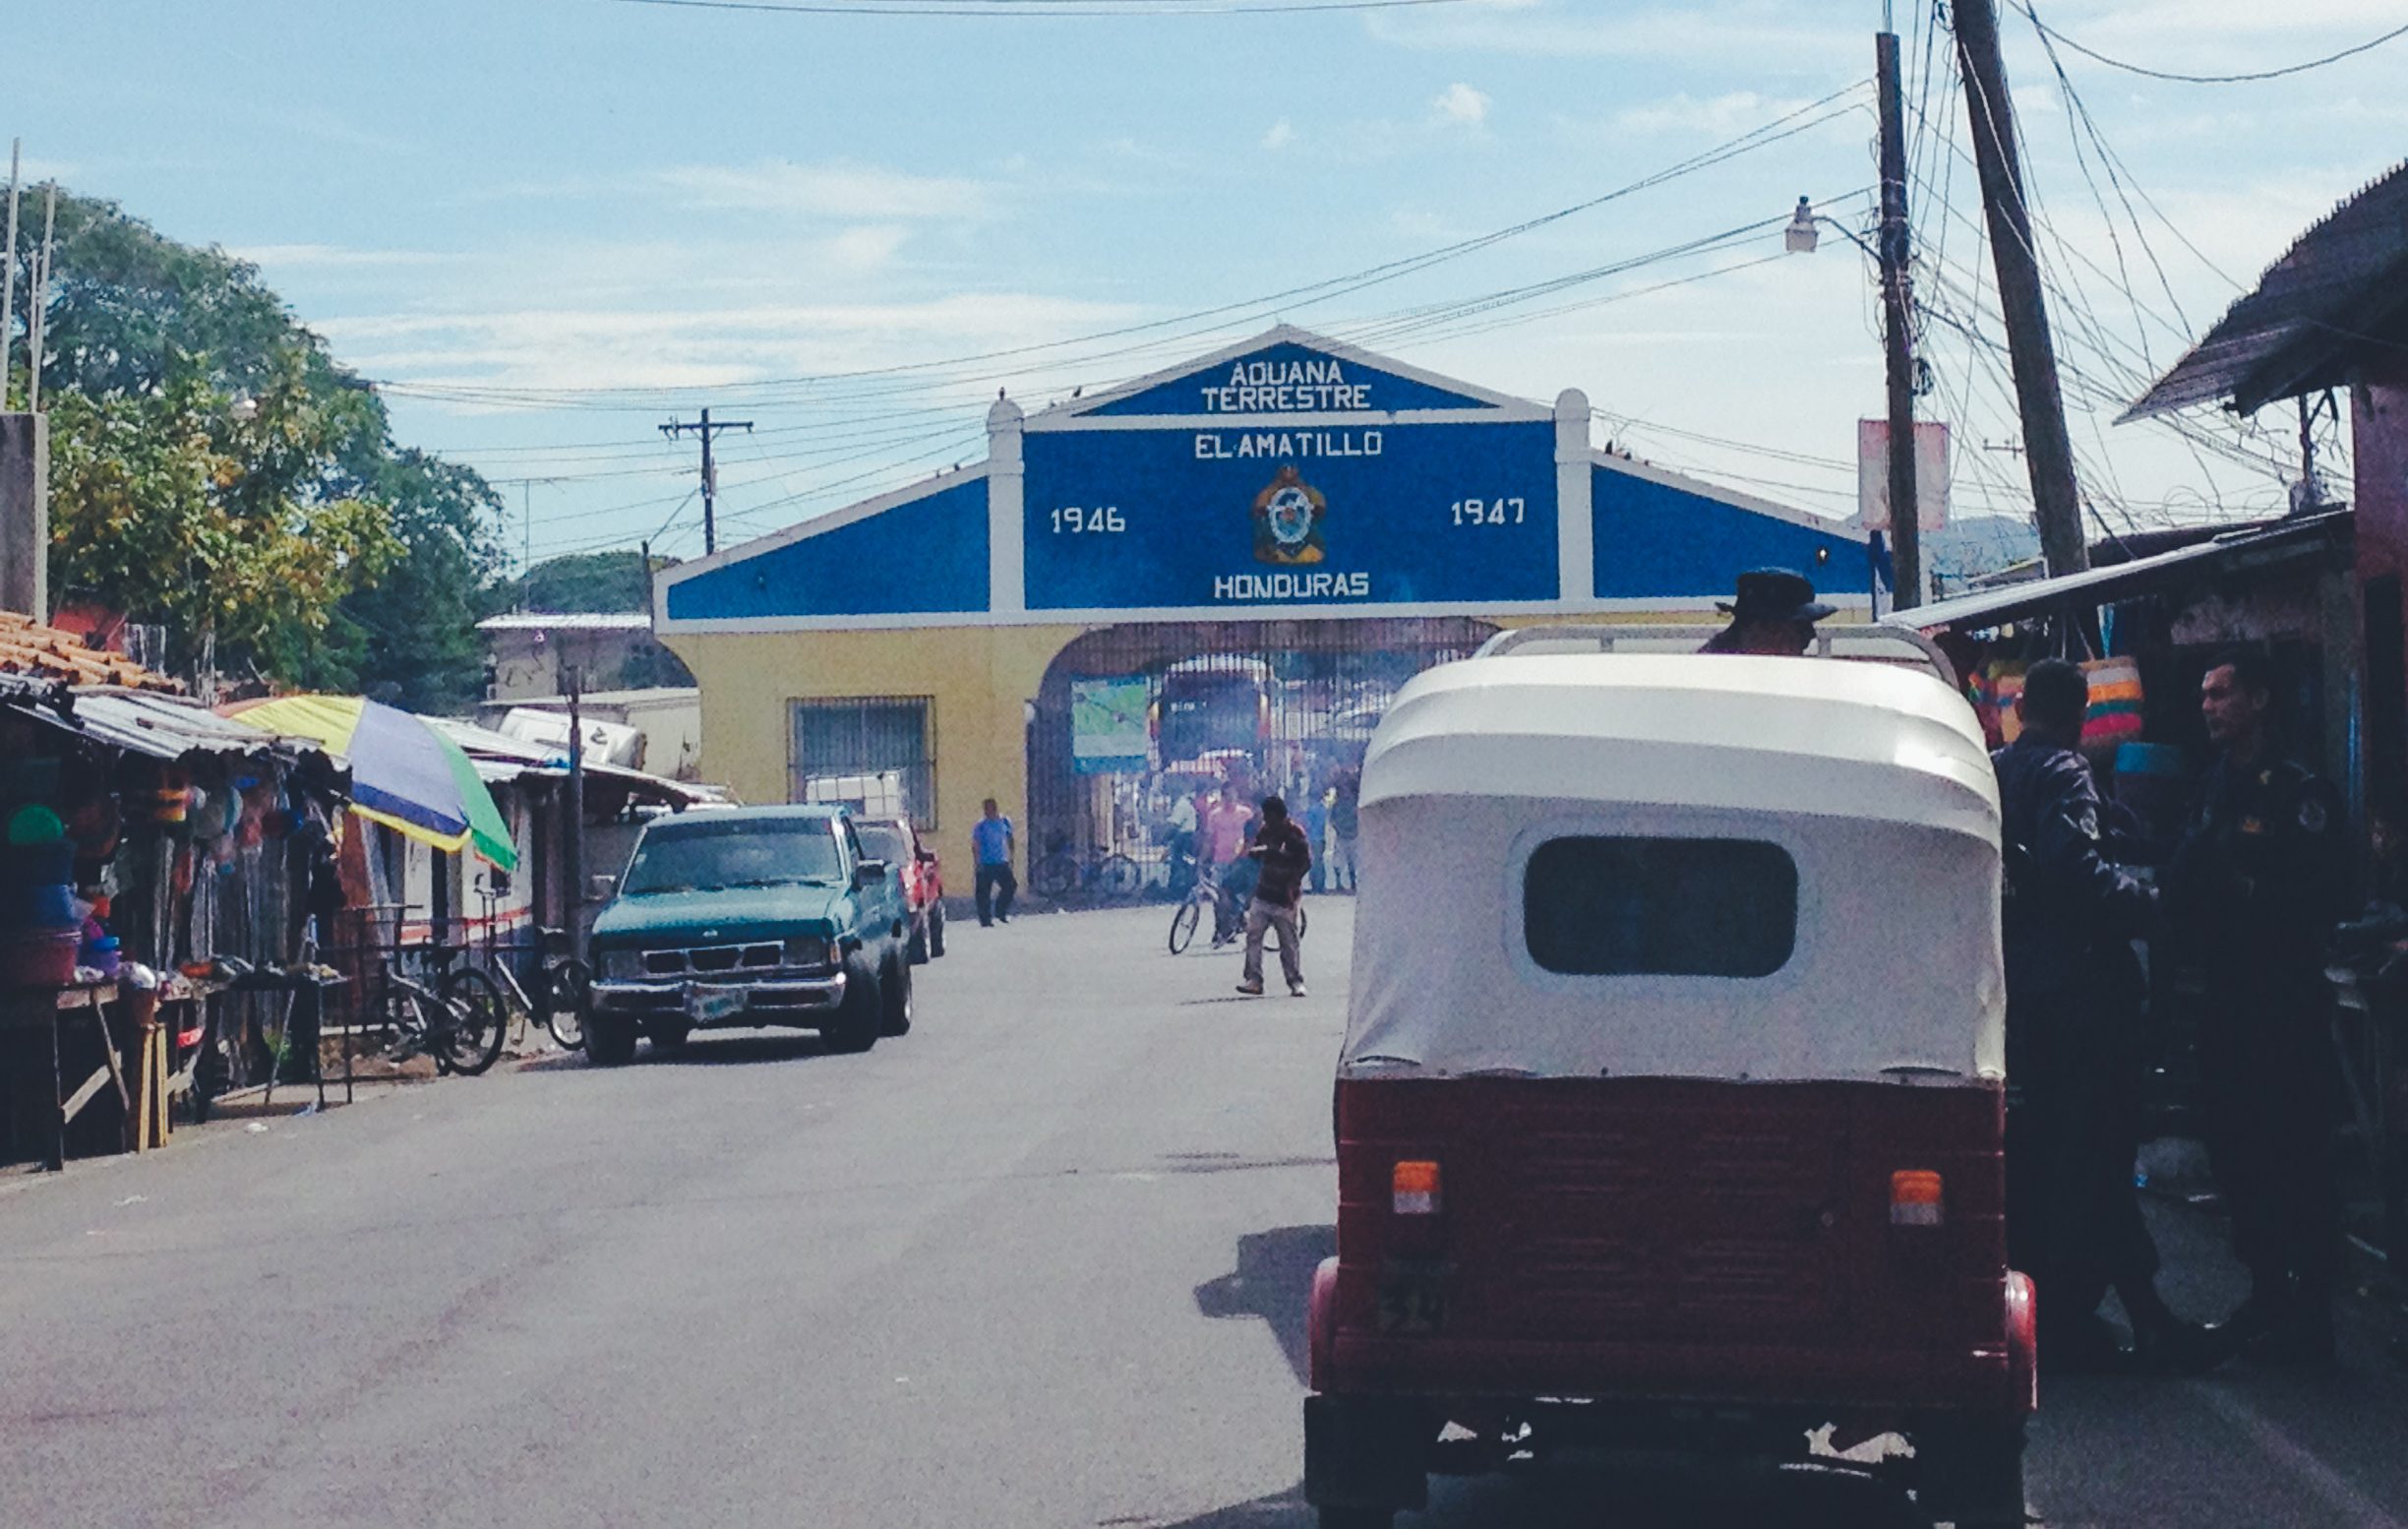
(925, 556)
(1287, 378)
(1656, 542)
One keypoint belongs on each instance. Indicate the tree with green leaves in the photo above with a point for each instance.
(215, 468)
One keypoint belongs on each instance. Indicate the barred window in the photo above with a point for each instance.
(875, 754)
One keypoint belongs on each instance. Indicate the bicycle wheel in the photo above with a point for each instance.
(1300, 923)
(1053, 877)
(479, 1018)
(1183, 919)
(1119, 877)
(569, 988)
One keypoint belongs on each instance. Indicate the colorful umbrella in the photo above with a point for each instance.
(404, 774)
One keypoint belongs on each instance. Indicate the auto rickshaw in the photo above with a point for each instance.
(1671, 1105)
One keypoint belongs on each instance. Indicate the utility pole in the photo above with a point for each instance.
(2048, 453)
(1898, 330)
(8, 272)
(572, 854)
(711, 474)
(40, 300)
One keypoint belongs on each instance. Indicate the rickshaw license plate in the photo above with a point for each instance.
(1412, 1299)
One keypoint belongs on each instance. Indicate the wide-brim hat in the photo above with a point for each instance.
(1774, 594)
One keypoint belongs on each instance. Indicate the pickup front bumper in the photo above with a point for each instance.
(700, 1003)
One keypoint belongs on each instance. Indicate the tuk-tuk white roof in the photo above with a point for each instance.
(1871, 778)
(1777, 735)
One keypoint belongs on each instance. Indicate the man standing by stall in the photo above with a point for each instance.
(2259, 881)
(2073, 1218)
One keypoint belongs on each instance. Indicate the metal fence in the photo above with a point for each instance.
(1130, 718)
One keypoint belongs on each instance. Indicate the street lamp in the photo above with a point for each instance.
(1800, 237)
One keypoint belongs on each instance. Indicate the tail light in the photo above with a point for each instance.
(1415, 1189)
(1915, 1198)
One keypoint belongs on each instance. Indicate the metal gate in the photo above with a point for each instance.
(1131, 718)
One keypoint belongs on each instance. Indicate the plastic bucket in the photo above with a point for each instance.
(43, 957)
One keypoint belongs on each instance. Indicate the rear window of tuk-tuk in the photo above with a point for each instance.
(1597, 905)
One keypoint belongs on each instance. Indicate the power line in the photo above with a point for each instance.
(1764, 135)
(1007, 7)
(2182, 79)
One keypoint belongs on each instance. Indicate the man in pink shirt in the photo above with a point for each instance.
(1221, 836)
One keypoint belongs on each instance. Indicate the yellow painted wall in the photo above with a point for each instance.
(978, 681)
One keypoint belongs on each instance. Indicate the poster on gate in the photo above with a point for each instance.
(1108, 725)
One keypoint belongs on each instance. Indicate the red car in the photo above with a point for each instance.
(895, 841)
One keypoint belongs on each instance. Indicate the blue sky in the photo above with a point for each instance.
(502, 205)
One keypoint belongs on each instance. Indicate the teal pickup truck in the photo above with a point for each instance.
(757, 916)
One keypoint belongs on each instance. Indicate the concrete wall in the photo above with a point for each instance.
(25, 515)
(978, 681)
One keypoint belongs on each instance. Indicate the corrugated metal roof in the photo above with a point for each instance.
(168, 727)
(568, 621)
(2307, 536)
(499, 759)
(2341, 286)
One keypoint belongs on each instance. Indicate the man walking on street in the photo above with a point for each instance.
(2260, 881)
(2072, 1216)
(1279, 849)
(990, 841)
(1346, 822)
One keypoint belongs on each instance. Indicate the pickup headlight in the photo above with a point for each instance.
(621, 965)
(806, 952)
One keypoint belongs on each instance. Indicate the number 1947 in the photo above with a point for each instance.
(1488, 511)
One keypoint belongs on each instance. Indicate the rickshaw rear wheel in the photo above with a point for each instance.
(1973, 1473)
(1336, 1517)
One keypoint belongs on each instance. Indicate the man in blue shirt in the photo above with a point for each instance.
(990, 841)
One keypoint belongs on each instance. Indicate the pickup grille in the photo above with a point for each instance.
(704, 959)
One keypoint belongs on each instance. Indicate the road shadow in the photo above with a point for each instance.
(1273, 1282)
(735, 1050)
(1686, 1496)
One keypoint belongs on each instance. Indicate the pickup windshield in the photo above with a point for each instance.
(709, 857)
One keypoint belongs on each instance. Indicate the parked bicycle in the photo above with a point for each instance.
(563, 985)
(1208, 898)
(1103, 874)
(460, 1018)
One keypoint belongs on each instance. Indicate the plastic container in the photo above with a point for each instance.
(43, 957)
(104, 955)
(30, 865)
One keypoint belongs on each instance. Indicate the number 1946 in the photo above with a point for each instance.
(1094, 522)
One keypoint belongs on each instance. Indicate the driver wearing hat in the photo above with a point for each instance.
(1775, 613)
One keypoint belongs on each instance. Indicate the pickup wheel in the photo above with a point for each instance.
(857, 1019)
(896, 1012)
(936, 934)
(610, 1040)
(916, 952)
(670, 1037)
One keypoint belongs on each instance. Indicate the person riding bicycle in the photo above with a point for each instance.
(1222, 839)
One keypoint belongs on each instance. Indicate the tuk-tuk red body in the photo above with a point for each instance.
(1622, 1161)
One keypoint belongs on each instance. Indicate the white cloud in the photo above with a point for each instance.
(831, 190)
(1460, 105)
(294, 257)
(1711, 116)
(1281, 135)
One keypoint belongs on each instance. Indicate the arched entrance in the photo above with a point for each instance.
(1129, 718)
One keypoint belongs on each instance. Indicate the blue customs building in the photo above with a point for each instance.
(1221, 570)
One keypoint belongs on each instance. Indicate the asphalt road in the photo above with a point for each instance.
(1041, 1263)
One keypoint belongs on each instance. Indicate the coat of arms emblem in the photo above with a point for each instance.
(1288, 521)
